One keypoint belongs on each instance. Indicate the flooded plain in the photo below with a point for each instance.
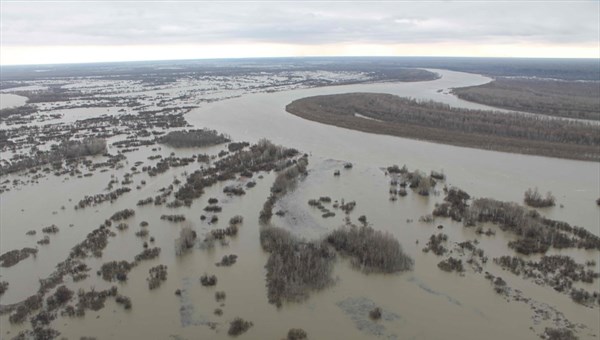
(425, 303)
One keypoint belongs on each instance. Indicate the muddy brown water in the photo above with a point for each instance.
(425, 303)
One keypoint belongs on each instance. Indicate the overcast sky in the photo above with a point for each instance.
(85, 31)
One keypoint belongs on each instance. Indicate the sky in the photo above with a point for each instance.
(44, 32)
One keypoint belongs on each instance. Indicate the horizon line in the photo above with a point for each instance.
(295, 57)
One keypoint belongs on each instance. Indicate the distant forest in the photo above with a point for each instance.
(567, 69)
(572, 99)
(438, 122)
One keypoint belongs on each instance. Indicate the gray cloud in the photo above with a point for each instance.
(114, 23)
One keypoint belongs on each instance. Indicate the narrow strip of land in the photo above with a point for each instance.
(569, 99)
(437, 122)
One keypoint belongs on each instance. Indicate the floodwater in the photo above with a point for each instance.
(482, 173)
(11, 100)
(425, 303)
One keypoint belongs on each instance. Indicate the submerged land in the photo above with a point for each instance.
(181, 200)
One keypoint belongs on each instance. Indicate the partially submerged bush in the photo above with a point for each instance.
(238, 326)
(220, 296)
(173, 218)
(157, 275)
(227, 260)
(371, 250)
(61, 296)
(115, 270)
(296, 334)
(148, 254)
(208, 280)
(10, 258)
(53, 229)
(559, 334)
(123, 300)
(435, 244)
(451, 264)
(375, 313)
(294, 267)
(122, 214)
(535, 233)
(533, 198)
(186, 240)
(193, 138)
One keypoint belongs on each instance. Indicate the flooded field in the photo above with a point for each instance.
(11, 100)
(423, 303)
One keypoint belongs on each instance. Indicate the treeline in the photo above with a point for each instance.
(17, 111)
(438, 122)
(193, 138)
(55, 93)
(571, 99)
(64, 151)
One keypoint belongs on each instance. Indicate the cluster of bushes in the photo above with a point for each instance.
(25, 307)
(100, 198)
(284, 181)
(559, 334)
(166, 163)
(186, 240)
(451, 264)
(123, 300)
(227, 260)
(52, 229)
(220, 234)
(115, 270)
(220, 296)
(66, 150)
(296, 334)
(122, 226)
(3, 287)
(238, 326)
(208, 280)
(295, 267)
(262, 156)
(122, 214)
(558, 271)
(93, 244)
(61, 296)
(145, 201)
(158, 274)
(193, 138)
(533, 198)
(92, 300)
(371, 250)
(173, 218)
(454, 206)
(535, 234)
(416, 180)
(318, 203)
(12, 257)
(435, 244)
(147, 254)
(237, 146)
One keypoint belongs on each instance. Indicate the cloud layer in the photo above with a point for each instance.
(300, 23)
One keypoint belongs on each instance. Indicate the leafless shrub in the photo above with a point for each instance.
(371, 250)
